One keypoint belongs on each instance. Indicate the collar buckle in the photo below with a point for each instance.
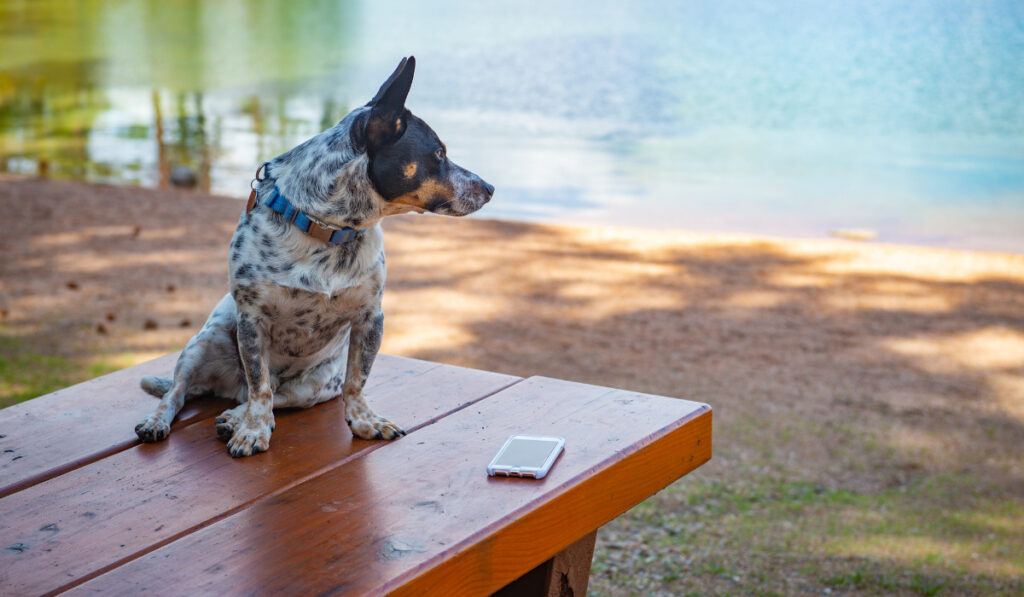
(251, 203)
(319, 231)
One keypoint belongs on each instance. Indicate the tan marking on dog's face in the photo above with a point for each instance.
(430, 191)
(410, 169)
(398, 124)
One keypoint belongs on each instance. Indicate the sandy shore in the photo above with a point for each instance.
(846, 365)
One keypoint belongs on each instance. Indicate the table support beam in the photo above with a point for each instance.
(564, 575)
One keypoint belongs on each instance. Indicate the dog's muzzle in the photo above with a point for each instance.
(471, 193)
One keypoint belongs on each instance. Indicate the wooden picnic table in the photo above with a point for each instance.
(86, 508)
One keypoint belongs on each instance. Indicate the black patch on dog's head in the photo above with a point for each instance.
(416, 164)
(408, 163)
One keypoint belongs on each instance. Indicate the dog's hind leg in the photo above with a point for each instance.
(208, 364)
(228, 421)
(315, 385)
(319, 384)
(157, 425)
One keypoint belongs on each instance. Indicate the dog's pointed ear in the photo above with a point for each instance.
(393, 92)
(386, 120)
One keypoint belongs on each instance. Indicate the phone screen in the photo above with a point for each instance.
(526, 453)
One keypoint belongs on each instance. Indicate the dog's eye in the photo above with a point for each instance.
(439, 154)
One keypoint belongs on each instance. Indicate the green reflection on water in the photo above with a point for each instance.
(125, 91)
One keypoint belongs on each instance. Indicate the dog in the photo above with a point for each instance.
(302, 322)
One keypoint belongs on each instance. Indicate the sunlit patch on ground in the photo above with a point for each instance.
(869, 400)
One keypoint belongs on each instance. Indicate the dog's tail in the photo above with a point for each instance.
(157, 386)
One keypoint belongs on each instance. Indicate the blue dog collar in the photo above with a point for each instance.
(303, 222)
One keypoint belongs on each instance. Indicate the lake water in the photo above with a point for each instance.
(781, 117)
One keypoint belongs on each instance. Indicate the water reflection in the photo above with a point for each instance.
(131, 92)
(765, 116)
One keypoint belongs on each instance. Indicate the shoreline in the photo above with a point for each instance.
(842, 235)
(107, 225)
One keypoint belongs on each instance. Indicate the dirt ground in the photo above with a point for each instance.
(869, 399)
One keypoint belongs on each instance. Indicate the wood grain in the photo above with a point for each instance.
(52, 434)
(567, 573)
(71, 527)
(421, 514)
(48, 435)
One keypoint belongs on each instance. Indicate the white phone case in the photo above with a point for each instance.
(526, 470)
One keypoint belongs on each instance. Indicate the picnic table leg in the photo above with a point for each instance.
(564, 575)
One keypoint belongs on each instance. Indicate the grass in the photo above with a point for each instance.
(25, 374)
(937, 536)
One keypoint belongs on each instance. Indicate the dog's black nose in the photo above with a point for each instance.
(489, 189)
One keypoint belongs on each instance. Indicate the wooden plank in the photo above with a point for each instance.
(78, 524)
(49, 435)
(422, 514)
(54, 433)
(568, 573)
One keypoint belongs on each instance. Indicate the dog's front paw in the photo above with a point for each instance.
(152, 429)
(248, 439)
(373, 426)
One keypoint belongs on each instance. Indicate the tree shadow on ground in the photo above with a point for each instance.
(837, 366)
(860, 392)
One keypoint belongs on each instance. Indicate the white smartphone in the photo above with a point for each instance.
(526, 456)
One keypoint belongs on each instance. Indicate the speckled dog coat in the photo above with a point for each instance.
(303, 322)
